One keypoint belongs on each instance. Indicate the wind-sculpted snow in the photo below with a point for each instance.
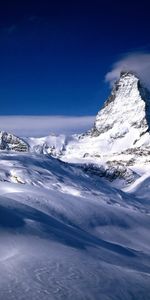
(68, 234)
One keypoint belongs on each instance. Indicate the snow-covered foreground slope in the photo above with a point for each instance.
(68, 234)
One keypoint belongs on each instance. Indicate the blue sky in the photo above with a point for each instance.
(54, 55)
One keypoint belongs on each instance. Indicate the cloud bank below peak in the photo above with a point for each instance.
(138, 62)
(38, 126)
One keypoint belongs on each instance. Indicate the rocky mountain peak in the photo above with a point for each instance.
(121, 128)
(11, 142)
(126, 82)
(126, 111)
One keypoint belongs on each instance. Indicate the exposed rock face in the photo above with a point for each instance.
(112, 170)
(126, 111)
(11, 142)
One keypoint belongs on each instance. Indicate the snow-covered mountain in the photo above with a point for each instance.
(74, 211)
(122, 124)
(121, 127)
(11, 142)
(118, 145)
(126, 113)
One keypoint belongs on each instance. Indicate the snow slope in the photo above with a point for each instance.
(65, 234)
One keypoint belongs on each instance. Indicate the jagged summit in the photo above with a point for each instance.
(125, 73)
(128, 107)
(11, 142)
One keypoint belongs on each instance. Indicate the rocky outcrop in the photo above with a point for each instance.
(11, 142)
(112, 170)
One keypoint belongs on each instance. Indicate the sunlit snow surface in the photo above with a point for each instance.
(65, 234)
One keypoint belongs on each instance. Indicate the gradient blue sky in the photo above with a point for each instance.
(54, 54)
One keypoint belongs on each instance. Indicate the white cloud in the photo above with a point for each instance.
(44, 125)
(137, 62)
